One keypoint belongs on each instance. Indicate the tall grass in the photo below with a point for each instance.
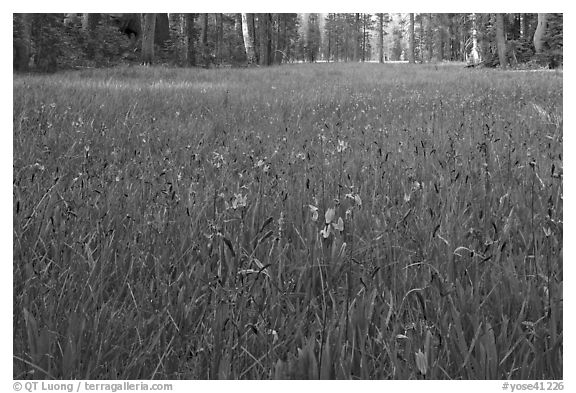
(309, 221)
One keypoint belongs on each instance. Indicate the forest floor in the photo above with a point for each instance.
(304, 221)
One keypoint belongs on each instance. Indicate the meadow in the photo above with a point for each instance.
(348, 221)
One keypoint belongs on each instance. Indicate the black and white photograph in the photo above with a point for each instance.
(287, 196)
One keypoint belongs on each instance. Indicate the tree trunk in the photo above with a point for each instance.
(269, 38)
(411, 40)
(219, 38)
(239, 48)
(89, 23)
(204, 29)
(462, 41)
(148, 28)
(474, 54)
(305, 30)
(381, 38)
(440, 37)
(262, 30)
(265, 42)
(161, 30)
(204, 39)
(253, 36)
(421, 41)
(22, 41)
(540, 31)
(501, 40)
(355, 35)
(329, 54)
(238, 25)
(429, 38)
(190, 39)
(248, 40)
(450, 40)
(277, 54)
(176, 24)
(285, 41)
(363, 37)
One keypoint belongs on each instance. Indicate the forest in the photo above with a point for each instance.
(49, 42)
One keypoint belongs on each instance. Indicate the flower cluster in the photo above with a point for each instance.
(217, 160)
(355, 197)
(237, 202)
(330, 222)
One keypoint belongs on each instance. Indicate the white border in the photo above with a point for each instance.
(299, 6)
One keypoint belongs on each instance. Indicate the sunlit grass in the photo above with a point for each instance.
(307, 221)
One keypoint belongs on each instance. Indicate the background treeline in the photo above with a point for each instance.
(49, 42)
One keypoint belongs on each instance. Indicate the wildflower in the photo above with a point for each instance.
(239, 201)
(281, 221)
(326, 231)
(340, 225)
(355, 197)
(217, 159)
(421, 362)
(328, 219)
(329, 215)
(314, 211)
(348, 214)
